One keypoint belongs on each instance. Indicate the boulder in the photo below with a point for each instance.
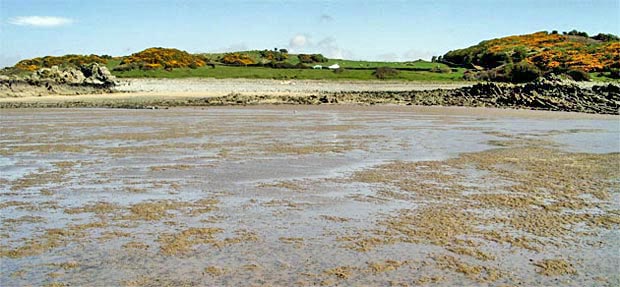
(97, 75)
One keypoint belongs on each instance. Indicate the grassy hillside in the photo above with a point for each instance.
(222, 72)
(547, 51)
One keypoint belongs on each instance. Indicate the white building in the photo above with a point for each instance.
(334, 66)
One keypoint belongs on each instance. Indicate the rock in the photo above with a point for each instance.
(91, 74)
(59, 80)
(93, 81)
(97, 74)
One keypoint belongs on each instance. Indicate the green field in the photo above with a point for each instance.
(222, 72)
(292, 59)
(349, 73)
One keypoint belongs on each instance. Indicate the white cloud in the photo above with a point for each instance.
(40, 21)
(413, 54)
(299, 41)
(327, 46)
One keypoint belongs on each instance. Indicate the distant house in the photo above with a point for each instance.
(334, 66)
(317, 67)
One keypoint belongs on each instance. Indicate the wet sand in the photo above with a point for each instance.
(308, 195)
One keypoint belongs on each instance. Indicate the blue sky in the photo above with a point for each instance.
(372, 30)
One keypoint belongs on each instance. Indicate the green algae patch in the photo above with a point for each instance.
(182, 242)
(97, 208)
(340, 272)
(385, 266)
(478, 273)
(523, 196)
(554, 267)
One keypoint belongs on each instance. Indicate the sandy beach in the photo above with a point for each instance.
(148, 89)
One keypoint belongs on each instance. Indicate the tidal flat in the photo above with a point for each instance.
(308, 195)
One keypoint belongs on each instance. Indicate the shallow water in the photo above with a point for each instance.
(281, 181)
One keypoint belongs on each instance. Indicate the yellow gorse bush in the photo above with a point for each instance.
(546, 51)
(49, 61)
(156, 58)
(237, 59)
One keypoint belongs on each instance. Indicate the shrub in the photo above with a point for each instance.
(577, 33)
(273, 55)
(67, 60)
(519, 54)
(312, 58)
(385, 73)
(319, 58)
(578, 75)
(614, 73)
(237, 59)
(124, 68)
(339, 71)
(442, 70)
(156, 58)
(304, 58)
(606, 37)
(493, 75)
(281, 65)
(521, 72)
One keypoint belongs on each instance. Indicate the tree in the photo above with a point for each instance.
(519, 54)
(606, 37)
(385, 73)
(577, 33)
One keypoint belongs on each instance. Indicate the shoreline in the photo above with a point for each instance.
(421, 110)
(165, 93)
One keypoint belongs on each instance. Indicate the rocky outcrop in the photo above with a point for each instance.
(543, 95)
(91, 74)
(97, 75)
(91, 78)
(540, 95)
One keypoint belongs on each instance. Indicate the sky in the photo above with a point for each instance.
(369, 30)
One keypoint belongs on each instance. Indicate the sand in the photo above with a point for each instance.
(308, 195)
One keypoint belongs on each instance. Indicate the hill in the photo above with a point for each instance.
(549, 52)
